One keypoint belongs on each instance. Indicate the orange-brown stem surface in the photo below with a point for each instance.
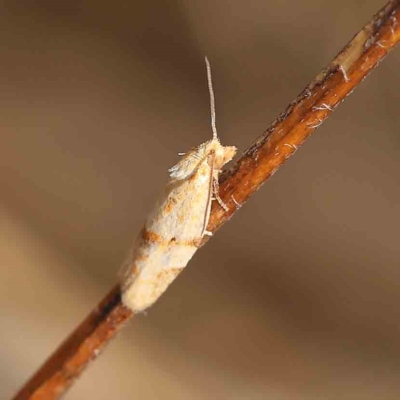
(260, 161)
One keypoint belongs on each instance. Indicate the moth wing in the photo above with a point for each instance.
(189, 163)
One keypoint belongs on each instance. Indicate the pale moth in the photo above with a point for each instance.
(175, 227)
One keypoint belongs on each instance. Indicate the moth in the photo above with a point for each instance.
(174, 229)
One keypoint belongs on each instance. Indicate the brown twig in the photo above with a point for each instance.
(257, 164)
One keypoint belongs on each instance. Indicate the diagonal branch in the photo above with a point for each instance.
(260, 161)
(308, 111)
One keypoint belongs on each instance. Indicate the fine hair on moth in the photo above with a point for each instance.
(174, 228)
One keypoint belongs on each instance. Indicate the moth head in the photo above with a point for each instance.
(229, 153)
(223, 154)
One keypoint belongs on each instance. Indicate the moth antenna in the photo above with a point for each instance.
(212, 100)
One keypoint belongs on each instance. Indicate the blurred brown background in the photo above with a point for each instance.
(296, 298)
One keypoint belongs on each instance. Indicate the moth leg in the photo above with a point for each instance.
(210, 192)
(216, 194)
